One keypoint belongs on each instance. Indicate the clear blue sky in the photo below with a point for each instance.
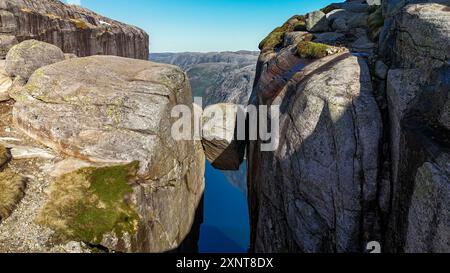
(204, 25)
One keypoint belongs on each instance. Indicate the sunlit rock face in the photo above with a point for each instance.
(364, 140)
(107, 120)
(418, 92)
(72, 28)
(310, 194)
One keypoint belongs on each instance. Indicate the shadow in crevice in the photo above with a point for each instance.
(190, 243)
(318, 192)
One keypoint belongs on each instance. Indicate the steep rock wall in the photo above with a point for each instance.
(72, 28)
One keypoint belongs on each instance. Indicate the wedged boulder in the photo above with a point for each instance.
(25, 58)
(315, 192)
(72, 28)
(220, 140)
(317, 21)
(115, 113)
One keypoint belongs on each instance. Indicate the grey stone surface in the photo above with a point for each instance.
(222, 148)
(330, 38)
(72, 28)
(429, 214)
(309, 194)
(25, 58)
(381, 69)
(317, 22)
(7, 41)
(293, 38)
(422, 36)
(113, 110)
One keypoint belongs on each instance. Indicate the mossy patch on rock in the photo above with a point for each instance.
(91, 202)
(12, 188)
(375, 23)
(311, 50)
(275, 38)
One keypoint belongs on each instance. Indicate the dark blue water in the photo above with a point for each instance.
(225, 226)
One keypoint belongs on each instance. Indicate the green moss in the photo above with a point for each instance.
(91, 202)
(275, 38)
(311, 50)
(375, 23)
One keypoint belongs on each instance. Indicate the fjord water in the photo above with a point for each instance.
(225, 227)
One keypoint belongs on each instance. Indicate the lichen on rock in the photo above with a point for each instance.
(88, 203)
(25, 58)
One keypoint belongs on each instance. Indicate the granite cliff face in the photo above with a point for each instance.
(72, 28)
(363, 90)
(415, 43)
(217, 77)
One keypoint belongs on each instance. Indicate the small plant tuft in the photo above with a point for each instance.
(12, 188)
(311, 50)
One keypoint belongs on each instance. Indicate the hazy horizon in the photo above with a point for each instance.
(177, 26)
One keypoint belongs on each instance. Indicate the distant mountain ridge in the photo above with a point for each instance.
(216, 76)
(187, 59)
